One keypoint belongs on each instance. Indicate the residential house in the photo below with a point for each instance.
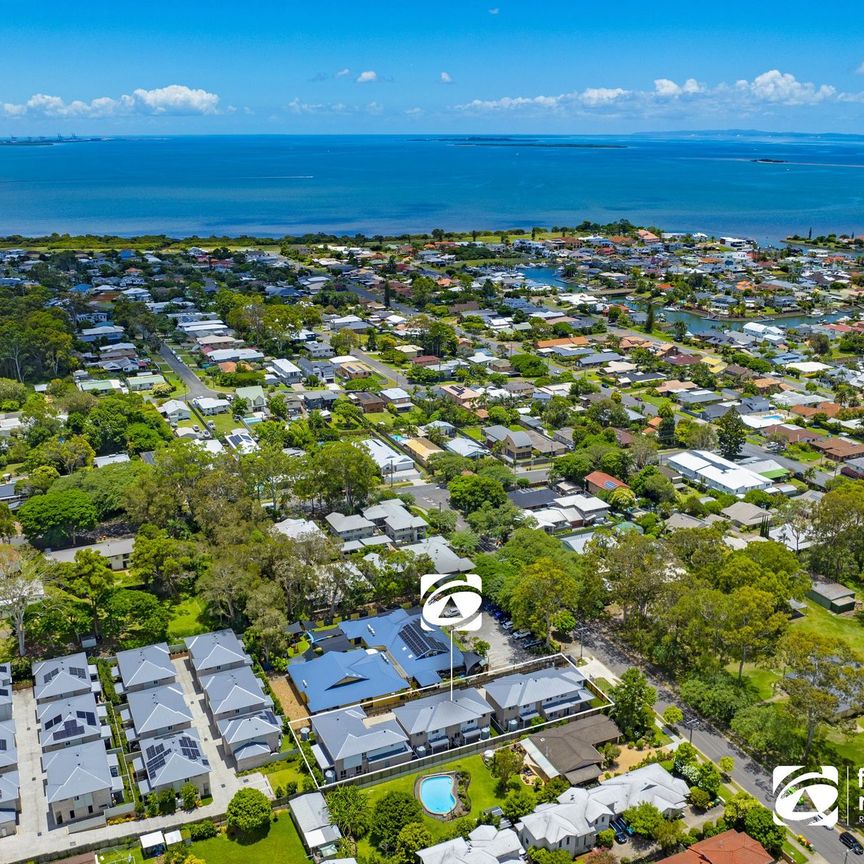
(599, 481)
(715, 472)
(252, 738)
(313, 822)
(81, 782)
(172, 761)
(444, 559)
(400, 525)
(348, 743)
(234, 693)
(573, 823)
(71, 721)
(513, 445)
(348, 528)
(116, 552)
(213, 652)
(254, 397)
(746, 515)
(143, 668)
(486, 844)
(422, 655)
(174, 411)
(397, 397)
(286, 371)
(728, 847)
(157, 711)
(370, 403)
(324, 370)
(336, 679)
(547, 694)
(5, 692)
(144, 381)
(570, 750)
(389, 460)
(209, 406)
(462, 396)
(63, 677)
(440, 722)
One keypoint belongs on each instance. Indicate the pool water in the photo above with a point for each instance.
(436, 793)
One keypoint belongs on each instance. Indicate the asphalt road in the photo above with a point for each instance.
(381, 369)
(195, 387)
(748, 774)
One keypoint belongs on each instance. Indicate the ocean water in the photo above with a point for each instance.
(275, 185)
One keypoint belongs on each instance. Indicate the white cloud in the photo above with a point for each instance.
(770, 89)
(177, 99)
(860, 69)
(664, 87)
(592, 97)
(494, 11)
(367, 77)
(446, 78)
(174, 99)
(785, 89)
(343, 73)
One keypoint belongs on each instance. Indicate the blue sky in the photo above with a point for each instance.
(496, 66)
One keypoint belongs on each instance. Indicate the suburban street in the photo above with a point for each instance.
(195, 387)
(748, 774)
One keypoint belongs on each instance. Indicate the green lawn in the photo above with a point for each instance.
(282, 773)
(821, 621)
(762, 679)
(383, 417)
(281, 843)
(121, 856)
(474, 432)
(481, 791)
(187, 619)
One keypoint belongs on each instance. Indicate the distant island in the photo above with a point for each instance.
(45, 142)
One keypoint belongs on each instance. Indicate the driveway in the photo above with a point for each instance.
(195, 387)
(33, 821)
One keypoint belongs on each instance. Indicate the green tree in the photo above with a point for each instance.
(411, 839)
(634, 700)
(391, 813)
(666, 430)
(22, 573)
(506, 764)
(92, 580)
(57, 516)
(672, 715)
(472, 492)
(135, 618)
(349, 810)
(543, 590)
(518, 803)
(731, 435)
(645, 819)
(821, 674)
(248, 812)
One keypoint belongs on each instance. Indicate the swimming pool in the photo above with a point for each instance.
(436, 794)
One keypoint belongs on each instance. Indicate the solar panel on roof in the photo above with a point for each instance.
(77, 671)
(50, 676)
(71, 729)
(420, 643)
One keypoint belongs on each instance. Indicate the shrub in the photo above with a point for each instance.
(189, 796)
(202, 830)
(606, 838)
(699, 798)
